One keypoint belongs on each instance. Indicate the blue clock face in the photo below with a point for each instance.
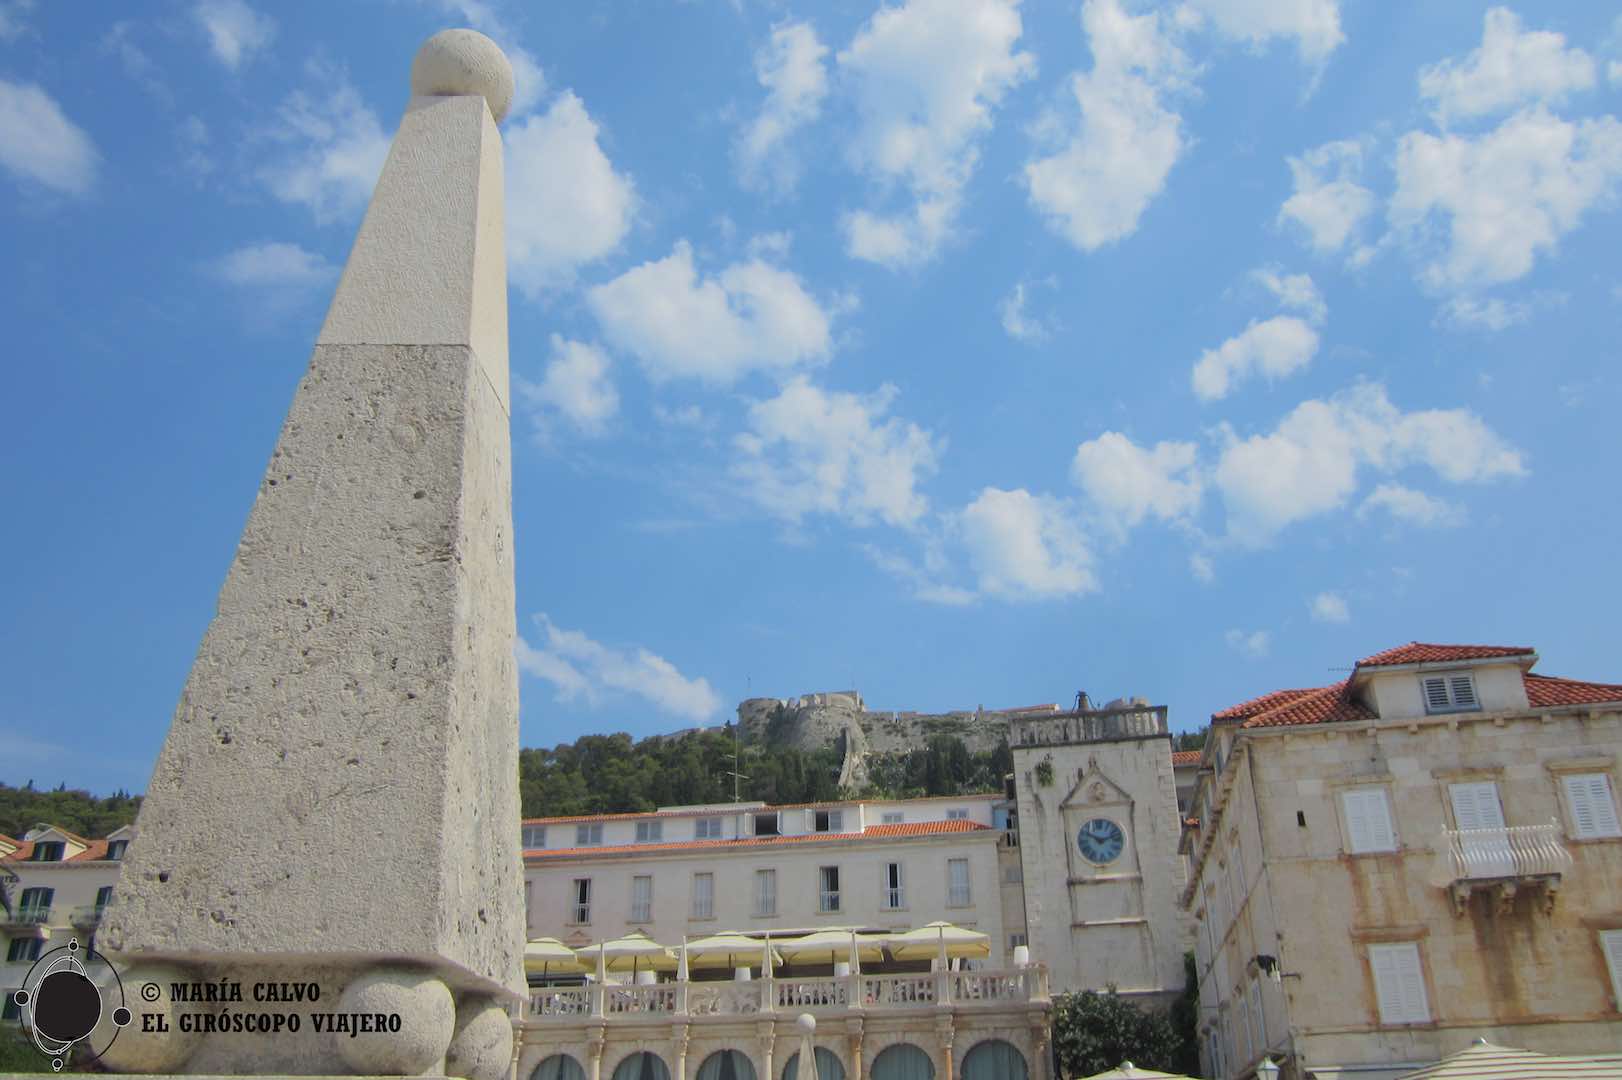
(1100, 840)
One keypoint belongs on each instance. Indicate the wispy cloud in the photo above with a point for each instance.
(235, 31)
(583, 670)
(40, 145)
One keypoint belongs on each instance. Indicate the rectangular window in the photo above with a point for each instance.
(957, 813)
(765, 892)
(581, 909)
(1593, 809)
(828, 898)
(1233, 889)
(534, 836)
(707, 828)
(1241, 1031)
(9, 1009)
(115, 849)
(1368, 820)
(766, 825)
(642, 898)
(34, 905)
(650, 832)
(893, 817)
(47, 851)
(1258, 1017)
(23, 949)
(1475, 805)
(1450, 693)
(1398, 983)
(1610, 942)
(103, 896)
(1016, 940)
(892, 896)
(588, 835)
(829, 821)
(703, 896)
(957, 883)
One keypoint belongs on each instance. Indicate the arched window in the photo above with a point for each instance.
(727, 1065)
(558, 1067)
(994, 1060)
(642, 1066)
(828, 1065)
(903, 1061)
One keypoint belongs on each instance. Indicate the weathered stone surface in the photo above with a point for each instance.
(427, 1015)
(482, 1047)
(338, 790)
(131, 1049)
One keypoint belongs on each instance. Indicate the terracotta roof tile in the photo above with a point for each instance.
(1545, 691)
(1417, 652)
(1325, 705)
(1186, 757)
(1272, 700)
(917, 828)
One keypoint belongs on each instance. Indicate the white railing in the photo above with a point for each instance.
(1517, 851)
(1006, 987)
(812, 993)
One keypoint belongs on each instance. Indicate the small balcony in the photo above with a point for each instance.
(87, 917)
(26, 922)
(1503, 862)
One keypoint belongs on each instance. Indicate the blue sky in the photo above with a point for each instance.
(963, 351)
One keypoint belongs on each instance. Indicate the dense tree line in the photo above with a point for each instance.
(21, 808)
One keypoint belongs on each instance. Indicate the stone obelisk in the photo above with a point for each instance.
(336, 803)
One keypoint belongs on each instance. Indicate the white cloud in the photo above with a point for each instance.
(1294, 292)
(926, 77)
(1094, 190)
(1128, 483)
(1275, 348)
(1504, 196)
(1309, 464)
(337, 150)
(566, 206)
(41, 145)
(810, 450)
(1510, 68)
(1414, 507)
(576, 384)
(1328, 201)
(583, 669)
(1493, 314)
(791, 69)
(924, 585)
(1202, 568)
(1254, 644)
(750, 317)
(235, 30)
(1016, 322)
(1329, 607)
(1025, 546)
(12, 23)
(275, 265)
(1314, 24)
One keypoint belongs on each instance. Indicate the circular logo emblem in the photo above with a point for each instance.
(60, 1004)
(1100, 840)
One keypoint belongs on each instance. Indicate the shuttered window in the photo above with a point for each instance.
(1258, 1014)
(1368, 820)
(642, 898)
(1593, 810)
(1611, 942)
(703, 896)
(1450, 693)
(957, 883)
(1398, 984)
(765, 892)
(1241, 1032)
(890, 888)
(1476, 806)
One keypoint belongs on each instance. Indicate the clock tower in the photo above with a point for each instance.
(1098, 828)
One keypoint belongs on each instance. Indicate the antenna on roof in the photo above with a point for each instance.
(749, 687)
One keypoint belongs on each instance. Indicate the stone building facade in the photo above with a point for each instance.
(1388, 868)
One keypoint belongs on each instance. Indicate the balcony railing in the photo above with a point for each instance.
(89, 916)
(967, 989)
(1501, 860)
(25, 918)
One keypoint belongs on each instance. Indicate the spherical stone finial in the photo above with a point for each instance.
(457, 62)
(806, 1023)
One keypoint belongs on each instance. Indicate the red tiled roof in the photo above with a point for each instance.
(1186, 757)
(94, 850)
(721, 811)
(917, 828)
(1544, 691)
(1325, 705)
(1417, 652)
(1246, 709)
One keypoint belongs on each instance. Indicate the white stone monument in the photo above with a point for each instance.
(336, 803)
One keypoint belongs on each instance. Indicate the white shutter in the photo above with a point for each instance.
(1475, 805)
(1368, 820)
(1464, 691)
(1593, 812)
(1611, 942)
(1399, 984)
(1436, 699)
